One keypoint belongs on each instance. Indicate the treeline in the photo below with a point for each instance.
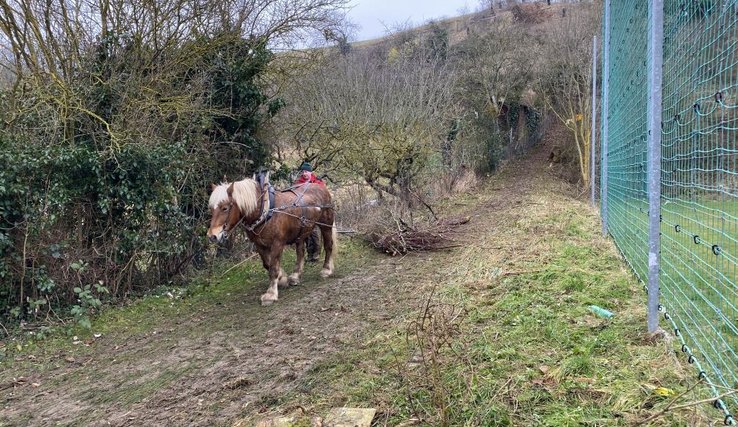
(410, 109)
(429, 104)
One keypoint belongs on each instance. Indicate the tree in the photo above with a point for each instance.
(566, 78)
(498, 69)
(118, 114)
(377, 117)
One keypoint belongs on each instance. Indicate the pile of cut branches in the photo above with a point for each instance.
(399, 238)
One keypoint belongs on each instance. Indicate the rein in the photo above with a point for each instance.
(316, 222)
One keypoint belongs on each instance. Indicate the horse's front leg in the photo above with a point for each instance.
(273, 262)
(299, 263)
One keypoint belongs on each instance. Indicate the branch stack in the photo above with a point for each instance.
(404, 238)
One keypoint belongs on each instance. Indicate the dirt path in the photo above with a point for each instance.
(230, 359)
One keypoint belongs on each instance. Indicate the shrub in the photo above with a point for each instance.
(113, 195)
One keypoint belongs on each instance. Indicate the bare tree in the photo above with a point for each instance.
(132, 105)
(48, 44)
(565, 69)
(498, 69)
(51, 36)
(498, 64)
(376, 117)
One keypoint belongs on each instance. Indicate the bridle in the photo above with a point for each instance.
(252, 227)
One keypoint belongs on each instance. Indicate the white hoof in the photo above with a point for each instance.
(294, 279)
(326, 273)
(268, 299)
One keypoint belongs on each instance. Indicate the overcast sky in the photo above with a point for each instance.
(374, 15)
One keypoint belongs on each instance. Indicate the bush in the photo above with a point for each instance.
(110, 199)
(71, 216)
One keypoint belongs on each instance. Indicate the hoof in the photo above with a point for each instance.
(326, 273)
(294, 279)
(267, 299)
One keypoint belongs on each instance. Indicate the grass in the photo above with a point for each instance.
(204, 296)
(507, 337)
(135, 352)
(529, 351)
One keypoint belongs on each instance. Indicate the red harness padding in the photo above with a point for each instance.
(308, 177)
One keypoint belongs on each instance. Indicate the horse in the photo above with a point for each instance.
(274, 219)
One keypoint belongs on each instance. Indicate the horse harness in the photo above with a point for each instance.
(271, 209)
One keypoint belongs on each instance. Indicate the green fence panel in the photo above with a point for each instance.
(626, 156)
(699, 173)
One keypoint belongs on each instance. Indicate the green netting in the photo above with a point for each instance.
(699, 171)
(626, 156)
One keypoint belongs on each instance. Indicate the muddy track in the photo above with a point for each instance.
(225, 361)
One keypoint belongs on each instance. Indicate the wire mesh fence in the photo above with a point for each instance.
(699, 172)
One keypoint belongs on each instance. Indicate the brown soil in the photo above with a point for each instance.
(233, 359)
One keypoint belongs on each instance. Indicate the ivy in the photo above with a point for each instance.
(86, 215)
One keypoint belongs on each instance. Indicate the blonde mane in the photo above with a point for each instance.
(244, 194)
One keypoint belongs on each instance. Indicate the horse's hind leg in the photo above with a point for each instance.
(329, 242)
(299, 263)
(276, 275)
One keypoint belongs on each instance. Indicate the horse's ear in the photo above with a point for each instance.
(213, 187)
(266, 179)
(230, 190)
(225, 178)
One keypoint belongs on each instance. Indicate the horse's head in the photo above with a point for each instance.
(224, 212)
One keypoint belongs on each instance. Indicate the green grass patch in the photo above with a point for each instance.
(528, 350)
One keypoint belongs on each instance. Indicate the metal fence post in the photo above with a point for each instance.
(605, 112)
(655, 61)
(593, 133)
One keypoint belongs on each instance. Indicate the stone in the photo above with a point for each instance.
(268, 422)
(349, 417)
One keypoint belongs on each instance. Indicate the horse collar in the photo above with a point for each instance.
(271, 203)
(266, 214)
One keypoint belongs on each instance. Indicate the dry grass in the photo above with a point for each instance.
(506, 338)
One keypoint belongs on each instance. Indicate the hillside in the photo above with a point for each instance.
(462, 27)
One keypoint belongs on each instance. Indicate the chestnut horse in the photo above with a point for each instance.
(274, 219)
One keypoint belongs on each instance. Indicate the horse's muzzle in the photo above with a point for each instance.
(217, 237)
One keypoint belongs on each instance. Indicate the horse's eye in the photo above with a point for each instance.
(224, 208)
